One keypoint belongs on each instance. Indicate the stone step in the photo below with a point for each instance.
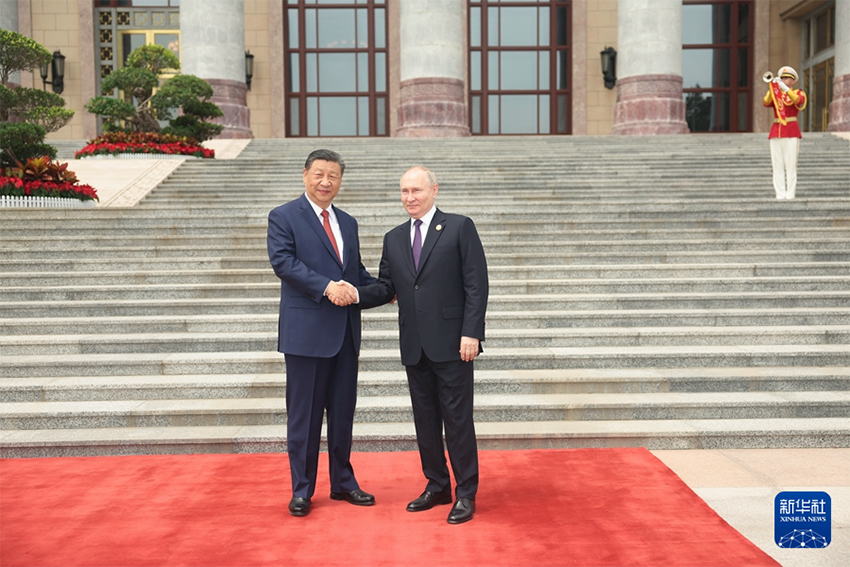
(522, 302)
(387, 320)
(394, 383)
(623, 210)
(239, 261)
(495, 241)
(687, 292)
(749, 184)
(499, 275)
(106, 291)
(514, 338)
(492, 233)
(552, 208)
(396, 409)
(652, 434)
(541, 358)
(19, 223)
(584, 191)
(492, 249)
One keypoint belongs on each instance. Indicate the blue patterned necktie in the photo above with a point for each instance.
(417, 243)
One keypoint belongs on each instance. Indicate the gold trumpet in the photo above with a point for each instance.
(767, 77)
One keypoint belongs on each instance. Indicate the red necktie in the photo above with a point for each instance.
(327, 224)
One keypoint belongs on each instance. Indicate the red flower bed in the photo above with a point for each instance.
(43, 177)
(115, 143)
(16, 187)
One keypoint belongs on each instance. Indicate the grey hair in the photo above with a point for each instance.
(325, 155)
(432, 179)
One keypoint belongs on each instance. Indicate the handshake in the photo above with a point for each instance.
(341, 293)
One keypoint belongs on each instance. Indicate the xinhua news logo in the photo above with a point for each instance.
(802, 519)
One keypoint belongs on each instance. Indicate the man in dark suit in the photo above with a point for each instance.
(435, 265)
(312, 247)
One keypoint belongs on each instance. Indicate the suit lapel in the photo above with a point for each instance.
(403, 240)
(314, 223)
(431, 238)
(349, 236)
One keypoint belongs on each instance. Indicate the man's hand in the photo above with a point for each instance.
(341, 293)
(783, 87)
(468, 349)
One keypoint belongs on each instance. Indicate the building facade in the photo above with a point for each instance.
(412, 68)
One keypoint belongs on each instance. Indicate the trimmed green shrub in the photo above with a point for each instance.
(21, 141)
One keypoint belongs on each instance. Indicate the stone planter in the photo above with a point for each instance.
(141, 156)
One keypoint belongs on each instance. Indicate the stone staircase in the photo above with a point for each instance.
(644, 291)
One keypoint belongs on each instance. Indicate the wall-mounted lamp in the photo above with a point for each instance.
(58, 68)
(609, 66)
(249, 68)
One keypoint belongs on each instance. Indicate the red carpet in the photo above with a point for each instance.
(590, 507)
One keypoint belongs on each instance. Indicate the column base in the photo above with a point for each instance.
(839, 108)
(432, 107)
(232, 98)
(649, 105)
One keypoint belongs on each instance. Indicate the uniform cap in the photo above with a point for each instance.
(788, 72)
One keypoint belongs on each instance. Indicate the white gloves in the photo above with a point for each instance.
(782, 86)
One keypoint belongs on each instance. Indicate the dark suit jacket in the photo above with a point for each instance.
(442, 301)
(304, 259)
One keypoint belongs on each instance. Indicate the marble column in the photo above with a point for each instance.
(432, 95)
(9, 21)
(839, 108)
(649, 68)
(213, 48)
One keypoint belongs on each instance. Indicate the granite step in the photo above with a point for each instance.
(498, 274)
(271, 288)
(520, 302)
(394, 383)
(540, 358)
(652, 434)
(257, 234)
(387, 320)
(371, 251)
(41, 224)
(685, 308)
(395, 409)
(374, 340)
(238, 260)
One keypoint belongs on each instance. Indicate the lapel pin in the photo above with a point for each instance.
(439, 227)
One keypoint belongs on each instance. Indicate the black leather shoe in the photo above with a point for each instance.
(356, 497)
(428, 500)
(462, 511)
(299, 506)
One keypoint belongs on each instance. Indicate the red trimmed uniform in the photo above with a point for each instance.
(791, 102)
(785, 138)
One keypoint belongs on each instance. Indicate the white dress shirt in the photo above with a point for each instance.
(423, 228)
(334, 225)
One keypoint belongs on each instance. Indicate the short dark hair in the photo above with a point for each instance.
(325, 155)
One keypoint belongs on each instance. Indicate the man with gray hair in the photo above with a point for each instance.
(434, 264)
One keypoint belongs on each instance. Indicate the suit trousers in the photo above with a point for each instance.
(442, 394)
(314, 384)
(783, 155)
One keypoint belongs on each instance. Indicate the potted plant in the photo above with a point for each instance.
(132, 125)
